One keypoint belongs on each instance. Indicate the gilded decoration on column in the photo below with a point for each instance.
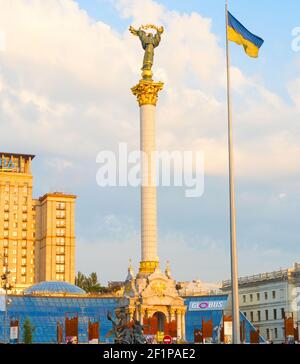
(148, 267)
(147, 91)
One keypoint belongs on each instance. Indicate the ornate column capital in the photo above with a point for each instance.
(147, 92)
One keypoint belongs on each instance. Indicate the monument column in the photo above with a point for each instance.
(146, 92)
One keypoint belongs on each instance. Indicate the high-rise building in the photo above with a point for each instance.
(55, 237)
(37, 239)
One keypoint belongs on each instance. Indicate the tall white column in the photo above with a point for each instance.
(146, 92)
(148, 189)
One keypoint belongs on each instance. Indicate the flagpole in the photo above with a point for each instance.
(233, 250)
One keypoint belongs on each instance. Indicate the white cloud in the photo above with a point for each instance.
(66, 78)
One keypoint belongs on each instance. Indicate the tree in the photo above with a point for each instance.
(80, 280)
(92, 283)
(28, 330)
(88, 283)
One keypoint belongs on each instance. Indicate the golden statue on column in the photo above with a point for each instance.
(149, 42)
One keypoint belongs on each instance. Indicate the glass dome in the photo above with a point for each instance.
(54, 287)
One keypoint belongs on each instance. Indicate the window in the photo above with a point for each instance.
(60, 250)
(267, 315)
(268, 334)
(282, 313)
(60, 268)
(276, 332)
(60, 232)
(251, 297)
(60, 277)
(23, 261)
(244, 298)
(14, 260)
(258, 316)
(60, 206)
(266, 295)
(23, 270)
(275, 314)
(274, 294)
(60, 214)
(251, 316)
(258, 296)
(245, 314)
(60, 259)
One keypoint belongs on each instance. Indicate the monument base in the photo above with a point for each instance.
(154, 301)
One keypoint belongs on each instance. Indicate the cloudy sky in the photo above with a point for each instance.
(66, 68)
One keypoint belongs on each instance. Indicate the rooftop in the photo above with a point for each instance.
(6, 154)
(54, 287)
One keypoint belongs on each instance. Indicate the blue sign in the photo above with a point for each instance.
(216, 305)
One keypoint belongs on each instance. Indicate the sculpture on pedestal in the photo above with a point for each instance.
(121, 330)
(149, 42)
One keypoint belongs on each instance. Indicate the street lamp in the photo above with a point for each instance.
(6, 286)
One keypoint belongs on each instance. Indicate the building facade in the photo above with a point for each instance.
(265, 299)
(37, 240)
(48, 304)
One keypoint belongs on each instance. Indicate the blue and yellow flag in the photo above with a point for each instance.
(239, 34)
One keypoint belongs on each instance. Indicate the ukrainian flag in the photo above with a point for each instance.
(239, 34)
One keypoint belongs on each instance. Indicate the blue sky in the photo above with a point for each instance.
(272, 20)
(65, 81)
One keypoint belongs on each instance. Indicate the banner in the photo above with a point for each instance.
(207, 305)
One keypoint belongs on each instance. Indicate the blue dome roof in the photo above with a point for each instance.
(53, 287)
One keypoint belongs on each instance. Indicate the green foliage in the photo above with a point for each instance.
(88, 283)
(28, 330)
